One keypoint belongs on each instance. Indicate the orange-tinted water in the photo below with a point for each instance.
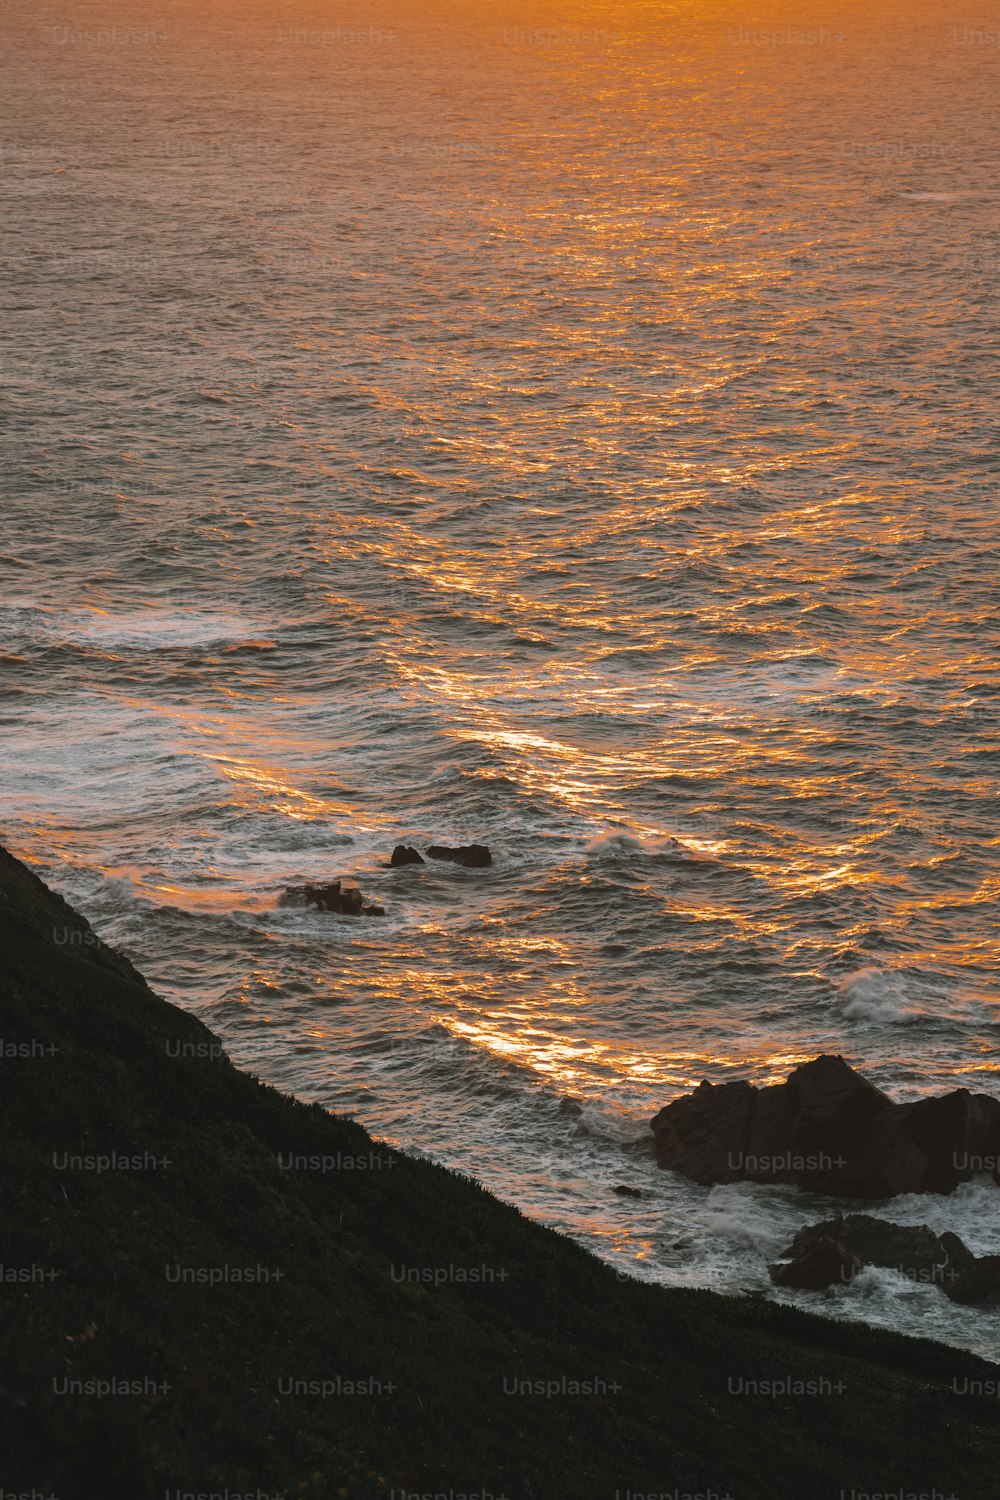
(569, 432)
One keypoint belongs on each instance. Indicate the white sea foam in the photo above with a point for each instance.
(741, 1215)
(873, 994)
(655, 845)
(152, 629)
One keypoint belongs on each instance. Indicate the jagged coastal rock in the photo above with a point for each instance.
(827, 1254)
(829, 1130)
(341, 896)
(472, 856)
(403, 854)
(978, 1279)
(818, 1263)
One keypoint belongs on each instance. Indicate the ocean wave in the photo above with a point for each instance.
(873, 994)
(653, 846)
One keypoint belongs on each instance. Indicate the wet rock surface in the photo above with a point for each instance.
(403, 854)
(829, 1130)
(472, 856)
(341, 896)
(833, 1252)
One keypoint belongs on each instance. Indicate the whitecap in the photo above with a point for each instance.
(657, 846)
(873, 994)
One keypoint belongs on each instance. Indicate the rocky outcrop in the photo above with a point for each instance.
(914, 1250)
(341, 896)
(832, 1253)
(472, 856)
(404, 855)
(976, 1281)
(829, 1130)
(821, 1263)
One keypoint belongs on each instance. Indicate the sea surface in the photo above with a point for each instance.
(574, 431)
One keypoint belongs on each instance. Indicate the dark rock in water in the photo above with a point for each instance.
(373, 911)
(821, 1263)
(960, 1257)
(704, 1134)
(976, 1281)
(473, 856)
(958, 1133)
(351, 900)
(342, 896)
(627, 1192)
(914, 1250)
(310, 895)
(829, 1130)
(404, 855)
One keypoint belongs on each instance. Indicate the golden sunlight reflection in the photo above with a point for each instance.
(285, 798)
(572, 1065)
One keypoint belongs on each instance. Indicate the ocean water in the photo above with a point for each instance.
(572, 431)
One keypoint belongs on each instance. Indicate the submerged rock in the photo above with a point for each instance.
(473, 856)
(829, 1130)
(404, 855)
(624, 1191)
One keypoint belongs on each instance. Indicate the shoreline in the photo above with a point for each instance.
(733, 1261)
(322, 1332)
